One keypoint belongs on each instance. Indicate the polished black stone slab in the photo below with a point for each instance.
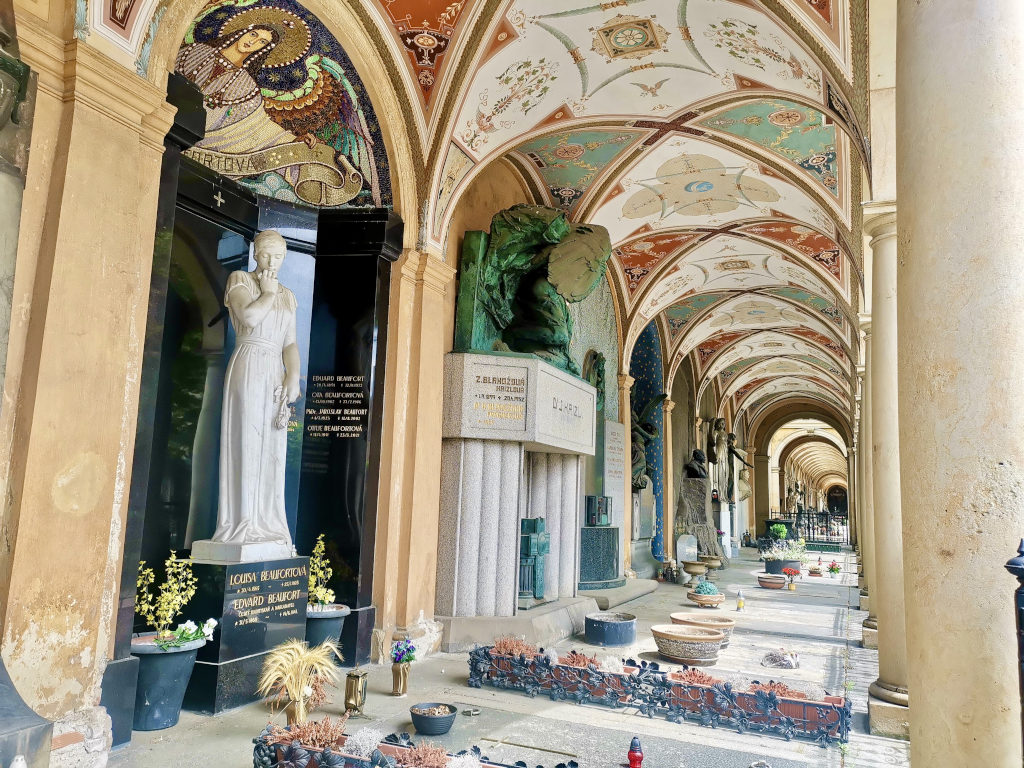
(345, 394)
(357, 636)
(599, 556)
(215, 688)
(22, 731)
(258, 606)
(118, 696)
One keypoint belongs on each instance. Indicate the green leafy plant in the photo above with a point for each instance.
(706, 588)
(296, 676)
(171, 597)
(320, 573)
(777, 531)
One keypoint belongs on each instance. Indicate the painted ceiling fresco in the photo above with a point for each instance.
(569, 163)
(721, 143)
(425, 30)
(799, 135)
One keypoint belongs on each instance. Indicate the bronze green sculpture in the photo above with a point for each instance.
(642, 432)
(517, 280)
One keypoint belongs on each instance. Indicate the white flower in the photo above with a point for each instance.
(211, 623)
(364, 741)
(189, 626)
(307, 692)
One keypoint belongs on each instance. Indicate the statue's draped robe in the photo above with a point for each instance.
(253, 450)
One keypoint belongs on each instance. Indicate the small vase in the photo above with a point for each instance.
(792, 586)
(400, 678)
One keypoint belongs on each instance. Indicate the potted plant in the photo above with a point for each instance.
(324, 617)
(773, 557)
(791, 574)
(296, 676)
(402, 654)
(166, 656)
(778, 531)
(833, 569)
(706, 595)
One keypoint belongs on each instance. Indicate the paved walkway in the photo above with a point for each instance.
(818, 621)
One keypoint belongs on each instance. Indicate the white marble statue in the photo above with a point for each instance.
(262, 379)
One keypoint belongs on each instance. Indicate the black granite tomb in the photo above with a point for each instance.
(259, 605)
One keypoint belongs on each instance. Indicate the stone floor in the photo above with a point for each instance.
(818, 621)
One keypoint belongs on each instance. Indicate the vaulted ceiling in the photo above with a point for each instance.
(721, 142)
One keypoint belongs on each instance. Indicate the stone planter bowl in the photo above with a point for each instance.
(696, 646)
(695, 568)
(705, 601)
(771, 581)
(711, 561)
(723, 624)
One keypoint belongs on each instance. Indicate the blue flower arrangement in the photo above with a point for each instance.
(706, 588)
(403, 651)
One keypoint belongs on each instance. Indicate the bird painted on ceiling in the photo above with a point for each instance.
(650, 90)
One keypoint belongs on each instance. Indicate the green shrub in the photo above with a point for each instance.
(706, 588)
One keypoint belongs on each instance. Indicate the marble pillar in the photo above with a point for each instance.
(762, 490)
(870, 632)
(477, 557)
(626, 417)
(888, 701)
(961, 372)
(555, 494)
(668, 508)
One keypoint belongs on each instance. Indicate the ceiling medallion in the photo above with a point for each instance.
(629, 37)
(786, 118)
(731, 265)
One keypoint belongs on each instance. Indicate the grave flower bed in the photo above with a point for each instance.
(393, 751)
(772, 708)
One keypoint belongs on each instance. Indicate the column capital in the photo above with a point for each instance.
(880, 227)
(668, 405)
(865, 323)
(626, 381)
(427, 270)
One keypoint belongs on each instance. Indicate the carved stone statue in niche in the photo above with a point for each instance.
(517, 281)
(733, 456)
(695, 467)
(643, 431)
(262, 379)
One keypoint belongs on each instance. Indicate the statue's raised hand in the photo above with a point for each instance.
(268, 282)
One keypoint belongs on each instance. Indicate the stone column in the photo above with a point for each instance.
(888, 703)
(626, 417)
(961, 371)
(870, 632)
(851, 494)
(71, 388)
(408, 510)
(762, 490)
(668, 516)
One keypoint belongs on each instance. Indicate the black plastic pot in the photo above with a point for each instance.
(163, 678)
(325, 624)
(773, 566)
(432, 725)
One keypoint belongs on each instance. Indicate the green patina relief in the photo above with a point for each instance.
(517, 281)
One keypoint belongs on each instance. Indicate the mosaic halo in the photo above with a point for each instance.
(296, 38)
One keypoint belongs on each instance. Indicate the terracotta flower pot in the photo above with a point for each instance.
(723, 624)
(696, 646)
(771, 581)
